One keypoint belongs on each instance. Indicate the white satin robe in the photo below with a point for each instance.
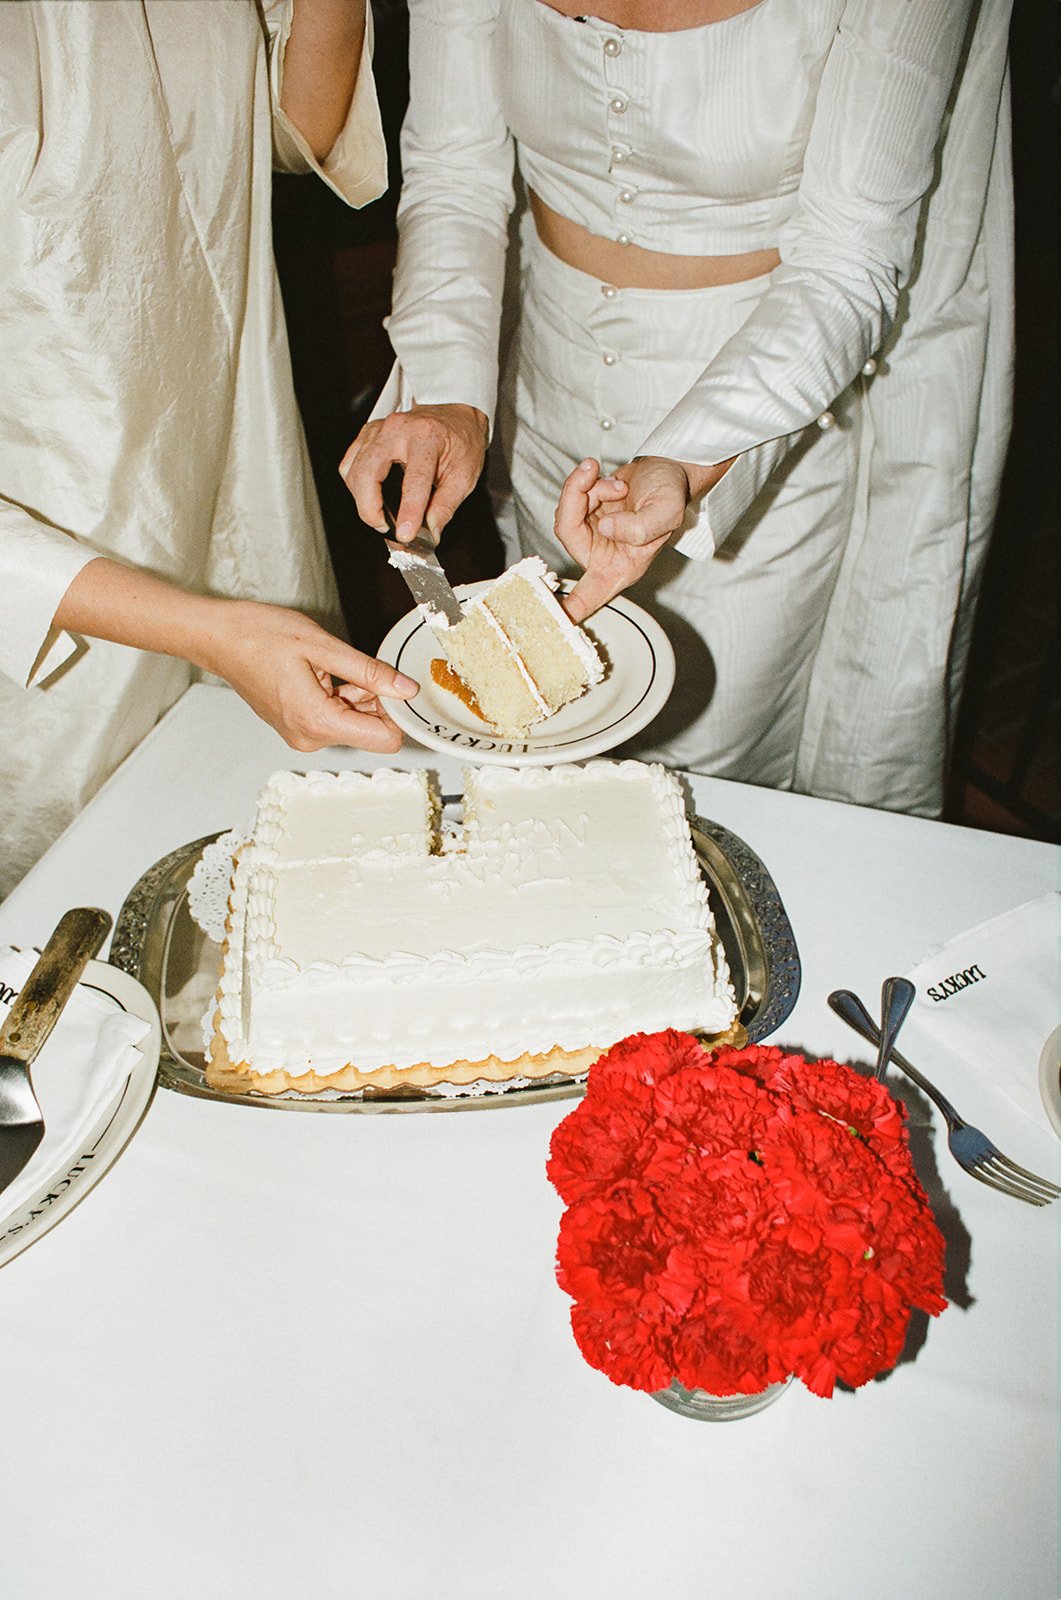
(868, 140)
(146, 404)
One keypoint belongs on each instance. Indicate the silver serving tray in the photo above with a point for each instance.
(157, 942)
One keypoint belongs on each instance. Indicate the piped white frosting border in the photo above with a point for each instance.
(254, 960)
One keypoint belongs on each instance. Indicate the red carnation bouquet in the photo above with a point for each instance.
(739, 1216)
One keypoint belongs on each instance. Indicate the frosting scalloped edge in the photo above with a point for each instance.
(496, 977)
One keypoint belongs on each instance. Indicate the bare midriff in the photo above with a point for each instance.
(631, 266)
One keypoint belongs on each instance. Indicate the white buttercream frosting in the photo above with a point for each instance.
(574, 915)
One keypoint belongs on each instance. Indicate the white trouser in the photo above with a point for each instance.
(592, 369)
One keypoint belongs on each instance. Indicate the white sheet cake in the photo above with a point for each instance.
(570, 913)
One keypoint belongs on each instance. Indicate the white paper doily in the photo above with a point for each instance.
(208, 887)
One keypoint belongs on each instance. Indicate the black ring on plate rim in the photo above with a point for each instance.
(562, 744)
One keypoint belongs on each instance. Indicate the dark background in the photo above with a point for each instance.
(335, 269)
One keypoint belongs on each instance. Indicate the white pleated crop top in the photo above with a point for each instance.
(809, 126)
(689, 142)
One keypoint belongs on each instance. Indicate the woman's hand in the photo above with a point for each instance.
(284, 665)
(616, 543)
(440, 448)
(281, 663)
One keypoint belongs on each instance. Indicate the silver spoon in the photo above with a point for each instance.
(896, 998)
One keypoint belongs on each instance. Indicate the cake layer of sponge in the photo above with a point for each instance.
(518, 651)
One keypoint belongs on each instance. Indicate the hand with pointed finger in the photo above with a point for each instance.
(610, 567)
(441, 450)
(616, 543)
(314, 689)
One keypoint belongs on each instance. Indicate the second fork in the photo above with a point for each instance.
(972, 1149)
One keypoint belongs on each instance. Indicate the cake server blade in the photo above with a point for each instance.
(29, 1022)
(420, 567)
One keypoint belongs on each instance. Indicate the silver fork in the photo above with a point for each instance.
(896, 997)
(971, 1149)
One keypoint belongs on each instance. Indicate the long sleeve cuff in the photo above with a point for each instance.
(870, 159)
(356, 166)
(723, 506)
(461, 383)
(37, 566)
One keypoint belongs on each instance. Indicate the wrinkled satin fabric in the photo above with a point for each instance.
(146, 405)
(870, 144)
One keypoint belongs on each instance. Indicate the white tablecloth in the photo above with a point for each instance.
(283, 1355)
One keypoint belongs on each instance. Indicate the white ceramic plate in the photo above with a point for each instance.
(58, 1192)
(638, 681)
(1050, 1079)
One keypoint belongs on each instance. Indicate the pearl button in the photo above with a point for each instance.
(619, 155)
(826, 421)
(613, 47)
(623, 238)
(609, 291)
(618, 105)
(607, 424)
(609, 358)
(870, 368)
(626, 195)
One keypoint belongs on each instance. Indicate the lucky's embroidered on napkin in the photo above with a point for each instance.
(992, 998)
(90, 1052)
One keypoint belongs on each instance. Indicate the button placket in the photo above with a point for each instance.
(613, 49)
(605, 326)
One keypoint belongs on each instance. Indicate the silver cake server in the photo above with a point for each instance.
(420, 567)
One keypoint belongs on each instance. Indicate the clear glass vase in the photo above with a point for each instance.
(707, 1407)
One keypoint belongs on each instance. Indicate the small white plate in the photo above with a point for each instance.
(58, 1192)
(638, 681)
(1050, 1079)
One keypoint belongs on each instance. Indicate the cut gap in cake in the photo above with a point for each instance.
(517, 651)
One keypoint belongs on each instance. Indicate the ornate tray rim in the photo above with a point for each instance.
(751, 920)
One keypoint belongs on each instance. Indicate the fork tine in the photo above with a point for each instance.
(992, 1181)
(1030, 1177)
(1005, 1176)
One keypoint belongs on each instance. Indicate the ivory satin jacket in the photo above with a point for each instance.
(146, 404)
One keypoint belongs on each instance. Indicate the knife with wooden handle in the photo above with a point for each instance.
(31, 1019)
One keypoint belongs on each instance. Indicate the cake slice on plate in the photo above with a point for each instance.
(518, 651)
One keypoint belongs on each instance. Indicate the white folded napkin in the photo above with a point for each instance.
(87, 1058)
(992, 997)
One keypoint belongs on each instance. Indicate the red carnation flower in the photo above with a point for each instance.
(646, 1057)
(623, 1346)
(617, 1250)
(600, 1141)
(712, 1352)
